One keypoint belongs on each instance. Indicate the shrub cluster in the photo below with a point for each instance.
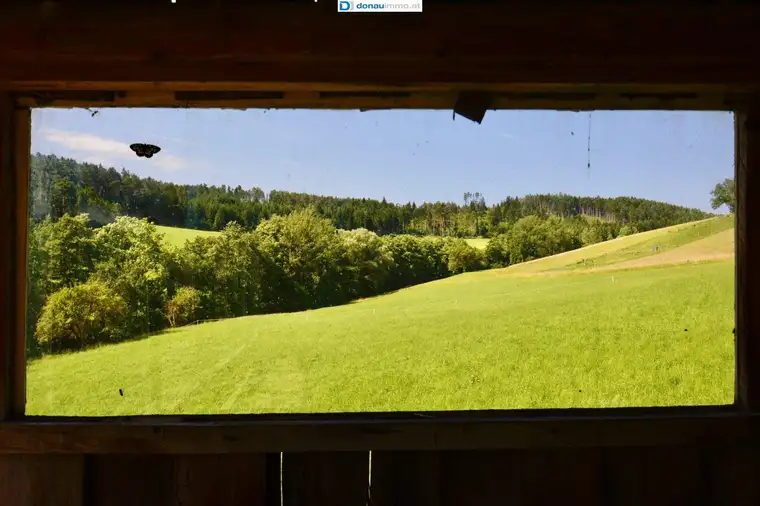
(119, 281)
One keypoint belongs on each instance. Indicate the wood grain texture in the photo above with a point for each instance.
(722, 475)
(734, 472)
(524, 476)
(309, 42)
(371, 432)
(14, 169)
(406, 478)
(655, 476)
(7, 256)
(569, 476)
(584, 98)
(222, 480)
(747, 166)
(22, 147)
(41, 480)
(325, 479)
(128, 480)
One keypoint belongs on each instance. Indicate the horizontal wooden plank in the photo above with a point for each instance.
(247, 435)
(449, 45)
(592, 99)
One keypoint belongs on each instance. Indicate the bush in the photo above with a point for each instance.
(79, 316)
(301, 255)
(367, 262)
(416, 260)
(184, 307)
(66, 251)
(133, 261)
(627, 230)
(462, 257)
(497, 251)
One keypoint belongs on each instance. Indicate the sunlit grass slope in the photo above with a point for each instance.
(645, 336)
(479, 242)
(631, 247)
(177, 236)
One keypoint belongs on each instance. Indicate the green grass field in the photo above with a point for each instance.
(478, 242)
(529, 336)
(177, 236)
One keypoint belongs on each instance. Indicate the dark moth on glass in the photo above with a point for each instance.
(146, 150)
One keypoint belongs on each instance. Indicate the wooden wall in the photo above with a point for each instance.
(690, 475)
(674, 54)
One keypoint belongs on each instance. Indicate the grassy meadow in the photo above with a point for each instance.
(177, 236)
(478, 242)
(614, 324)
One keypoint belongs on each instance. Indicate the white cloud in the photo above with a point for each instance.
(96, 149)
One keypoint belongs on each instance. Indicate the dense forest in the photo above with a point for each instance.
(100, 271)
(62, 186)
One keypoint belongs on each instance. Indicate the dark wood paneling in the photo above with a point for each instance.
(569, 476)
(7, 256)
(325, 479)
(15, 135)
(128, 480)
(223, 480)
(747, 153)
(41, 480)
(188, 480)
(523, 477)
(406, 478)
(655, 476)
(694, 475)
(735, 473)
(706, 475)
(310, 42)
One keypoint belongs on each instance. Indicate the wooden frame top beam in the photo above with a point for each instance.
(666, 47)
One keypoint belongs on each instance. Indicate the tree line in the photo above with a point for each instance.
(62, 186)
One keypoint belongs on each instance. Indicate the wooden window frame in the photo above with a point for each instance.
(709, 84)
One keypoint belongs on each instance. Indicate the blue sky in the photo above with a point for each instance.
(405, 156)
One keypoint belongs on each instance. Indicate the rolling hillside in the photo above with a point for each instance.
(614, 324)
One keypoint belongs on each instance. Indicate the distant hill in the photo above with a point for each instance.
(63, 185)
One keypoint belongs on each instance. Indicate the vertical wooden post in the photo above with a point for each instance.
(15, 132)
(747, 166)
